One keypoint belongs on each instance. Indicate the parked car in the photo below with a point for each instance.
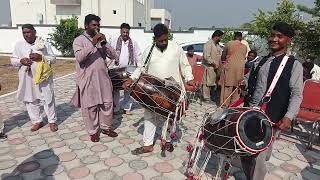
(197, 45)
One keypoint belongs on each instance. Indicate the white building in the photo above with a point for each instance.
(160, 16)
(112, 12)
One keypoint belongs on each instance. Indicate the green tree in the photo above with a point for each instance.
(285, 12)
(227, 35)
(245, 26)
(64, 34)
(315, 11)
(308, 40)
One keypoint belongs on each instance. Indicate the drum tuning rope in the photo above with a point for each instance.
(204, 164)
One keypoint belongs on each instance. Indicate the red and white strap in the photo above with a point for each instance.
(277, 76)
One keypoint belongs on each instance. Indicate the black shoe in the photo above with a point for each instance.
(169, 146)
(3, 136)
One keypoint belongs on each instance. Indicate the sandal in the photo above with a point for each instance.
(139, 150)
(95, 137)
(169, 147)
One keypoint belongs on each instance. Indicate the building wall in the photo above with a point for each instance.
(30, 11)
(130, 11)
(9, 36)
(108, 18)
(139, 14)
(162, 14)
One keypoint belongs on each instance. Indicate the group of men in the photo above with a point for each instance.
(98, 102)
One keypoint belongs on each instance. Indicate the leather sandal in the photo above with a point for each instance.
(95, 137)
(140, 150)
(109, 132)
(53, 127)
(37, 126)
(169, 146)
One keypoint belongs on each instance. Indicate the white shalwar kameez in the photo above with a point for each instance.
(166, 64)
(34, 96)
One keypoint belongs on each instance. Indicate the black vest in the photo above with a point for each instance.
(278, 105)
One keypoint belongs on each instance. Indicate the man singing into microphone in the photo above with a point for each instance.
(94, 88)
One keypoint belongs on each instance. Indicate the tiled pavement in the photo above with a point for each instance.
(68, 153)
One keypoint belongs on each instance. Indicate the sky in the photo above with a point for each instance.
(218, 13)
(200, 13)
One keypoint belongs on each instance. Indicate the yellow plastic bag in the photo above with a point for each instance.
(43, 71)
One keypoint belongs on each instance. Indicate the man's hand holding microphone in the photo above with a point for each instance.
(99, 37)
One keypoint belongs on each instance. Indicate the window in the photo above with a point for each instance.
(114, 12)
(68, 10)
(197, 47)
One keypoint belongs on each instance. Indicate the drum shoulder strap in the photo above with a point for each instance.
(149, 56)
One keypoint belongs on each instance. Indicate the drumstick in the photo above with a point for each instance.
(229, 96)
(109, 63)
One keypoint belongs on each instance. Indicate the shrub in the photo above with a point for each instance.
(64, 35)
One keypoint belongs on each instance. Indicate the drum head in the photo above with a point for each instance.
(131, 69)
(254, 130)
(218, 116)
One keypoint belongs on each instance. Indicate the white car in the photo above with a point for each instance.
(197, 45)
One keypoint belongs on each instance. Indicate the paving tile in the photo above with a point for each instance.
(5, 150)
(106, 175)
(77, 146)
(83, 152)
(53, 170)
(149, 172)
(132, 176)
(120, 150)
(16, 141)
(72, 164)
(7, 163)
(90, 159)
(57, 144)
(28, 166)
(98, 148)
(67, 156)
(79, 172)
(122, 169)
(36, 142)
(163, 167)
(290, 168)
(114, 161)
(35, 153)
(96, 167)
(138, 164)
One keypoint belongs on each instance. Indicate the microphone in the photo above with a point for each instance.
(103, 42)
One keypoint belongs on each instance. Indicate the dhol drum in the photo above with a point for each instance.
(160, 96)
(238, 131)
(119, 75)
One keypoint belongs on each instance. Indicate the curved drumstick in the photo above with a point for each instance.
(229, 96)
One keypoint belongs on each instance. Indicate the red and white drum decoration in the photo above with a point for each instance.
(231, 132)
